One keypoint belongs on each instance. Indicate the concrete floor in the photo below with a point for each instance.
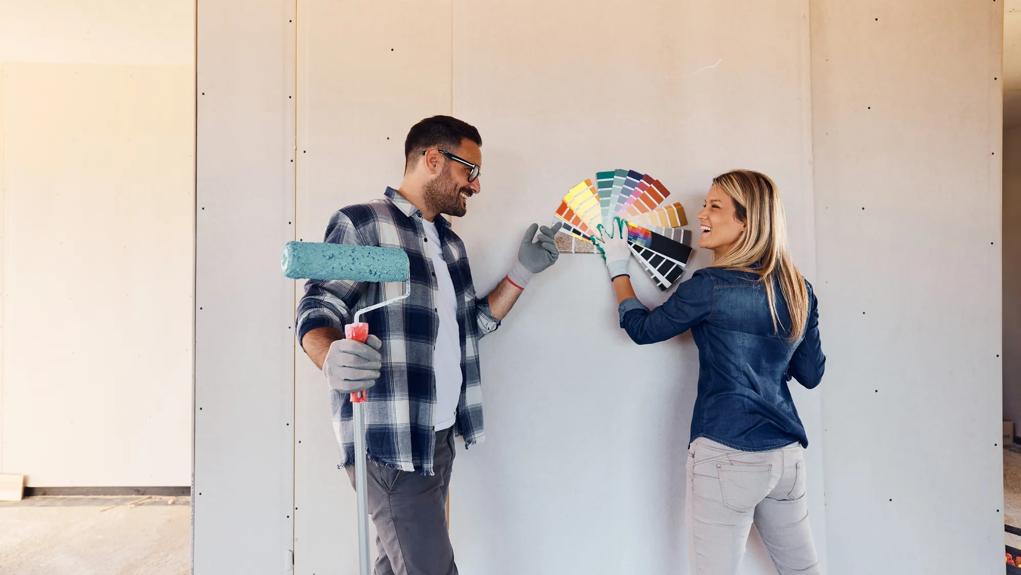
(152, 535)
(96, 535)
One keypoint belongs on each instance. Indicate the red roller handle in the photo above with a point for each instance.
(360, 333)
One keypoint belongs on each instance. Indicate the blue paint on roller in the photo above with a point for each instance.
(327, 261)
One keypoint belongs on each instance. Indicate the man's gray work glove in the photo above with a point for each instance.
(537, 252)
(352, 366)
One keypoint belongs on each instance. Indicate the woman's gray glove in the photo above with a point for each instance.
(352, 366)
(537, 252)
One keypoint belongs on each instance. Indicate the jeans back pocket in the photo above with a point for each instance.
(743, 486)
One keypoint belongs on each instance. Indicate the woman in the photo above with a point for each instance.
(746, 460)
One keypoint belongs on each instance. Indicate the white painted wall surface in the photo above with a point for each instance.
(907, 145)
(97, 238)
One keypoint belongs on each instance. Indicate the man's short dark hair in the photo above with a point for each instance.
(443, 131)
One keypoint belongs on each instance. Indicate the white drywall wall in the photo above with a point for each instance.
(574, 477)
(690, 102)
(362, 82)
(906, 114)
(244, 368)
(583, 471)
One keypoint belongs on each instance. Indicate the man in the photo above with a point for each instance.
(422, 360)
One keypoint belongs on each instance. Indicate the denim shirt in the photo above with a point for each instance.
(744, 366)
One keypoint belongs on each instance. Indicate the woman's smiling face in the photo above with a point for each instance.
(720, 227)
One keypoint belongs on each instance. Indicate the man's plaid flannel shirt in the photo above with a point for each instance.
(399, 410)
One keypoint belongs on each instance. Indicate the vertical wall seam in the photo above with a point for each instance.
(808, 150)
(194, 268)
(293, 231)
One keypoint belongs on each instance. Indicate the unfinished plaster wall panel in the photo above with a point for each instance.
(242, 495)
(583, 476)
(907, 130)
(587, 433)
(550, 115)
(367, 71)
(96, 242)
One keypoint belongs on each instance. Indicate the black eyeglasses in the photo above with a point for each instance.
(473, 169)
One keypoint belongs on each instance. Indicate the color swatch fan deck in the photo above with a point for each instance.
(655, 225)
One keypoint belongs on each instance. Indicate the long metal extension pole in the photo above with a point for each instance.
(361, 486)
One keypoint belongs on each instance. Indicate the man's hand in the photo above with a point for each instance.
(352, 366)
(613, 245)
(537, 252)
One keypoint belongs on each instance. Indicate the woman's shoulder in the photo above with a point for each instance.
(726, 276)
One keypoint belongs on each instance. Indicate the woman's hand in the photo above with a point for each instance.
(613, 246)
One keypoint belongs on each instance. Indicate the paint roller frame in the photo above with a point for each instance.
(344, 262)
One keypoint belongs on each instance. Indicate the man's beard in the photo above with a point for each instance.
(443, 195)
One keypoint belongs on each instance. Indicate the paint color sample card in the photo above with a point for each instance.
(655, 227)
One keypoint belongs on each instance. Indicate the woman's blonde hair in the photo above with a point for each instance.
(762, 248)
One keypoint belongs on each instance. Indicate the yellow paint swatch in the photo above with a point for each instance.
(584, 201)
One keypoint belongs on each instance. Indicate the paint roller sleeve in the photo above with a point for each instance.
(329, 261)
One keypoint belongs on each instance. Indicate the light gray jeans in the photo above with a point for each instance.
(729, 490)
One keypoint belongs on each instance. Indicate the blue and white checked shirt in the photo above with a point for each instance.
(399, 410)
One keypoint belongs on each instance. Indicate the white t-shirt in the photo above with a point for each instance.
(447, 354)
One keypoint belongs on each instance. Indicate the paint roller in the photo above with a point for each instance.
(331, 262)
